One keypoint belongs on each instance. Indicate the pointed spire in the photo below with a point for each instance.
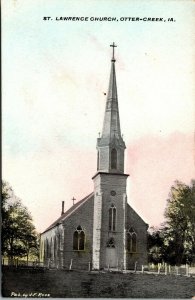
(111, 126)
(110, 146)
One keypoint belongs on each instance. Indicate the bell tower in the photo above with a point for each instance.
(110, 199)
(110, 145)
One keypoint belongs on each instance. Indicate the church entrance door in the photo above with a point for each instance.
(111, 258)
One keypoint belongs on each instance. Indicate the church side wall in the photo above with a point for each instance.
(83, 217)
(51, 243)
(140, 256)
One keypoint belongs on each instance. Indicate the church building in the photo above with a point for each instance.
(102, 230)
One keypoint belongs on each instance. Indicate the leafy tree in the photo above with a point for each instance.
(156, 245)
(18, 232)
(179, 236)
(174, 242)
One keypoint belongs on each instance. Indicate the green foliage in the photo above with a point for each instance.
(155, 245)
(19, 237)
(180, 220)
(175, 241)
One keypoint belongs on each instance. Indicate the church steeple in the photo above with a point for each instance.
(111, 126)
(111, 145)
(110, 185)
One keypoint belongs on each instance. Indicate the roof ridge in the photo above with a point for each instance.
(68, 212)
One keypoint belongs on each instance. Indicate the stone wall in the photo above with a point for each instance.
(59, 240)
(83, 216)
(105, 185)
(93, 216)
(140, 256)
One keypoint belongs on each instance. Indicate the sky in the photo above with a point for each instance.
(54, 76)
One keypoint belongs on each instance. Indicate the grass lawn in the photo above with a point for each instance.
(62, 284)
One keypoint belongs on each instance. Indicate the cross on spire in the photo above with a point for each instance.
(73, 199)
(113, 46)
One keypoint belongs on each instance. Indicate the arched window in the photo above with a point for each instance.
(112, 218)
(79, 239)
(75, 240)
(51, 248)
(47, 249)
(134, 242)
(131, 241)
(55, 247)
(110, 243)
(114, 159)
(98, 160)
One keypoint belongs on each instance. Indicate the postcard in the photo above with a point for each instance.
(98, 149)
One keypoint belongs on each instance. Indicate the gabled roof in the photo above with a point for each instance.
(138, 216)
(70, 211)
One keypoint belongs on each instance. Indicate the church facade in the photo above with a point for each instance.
(102, 230)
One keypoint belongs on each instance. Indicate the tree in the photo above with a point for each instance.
(174, 242)
(18, 232)
(156, 245)
(179, 237)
